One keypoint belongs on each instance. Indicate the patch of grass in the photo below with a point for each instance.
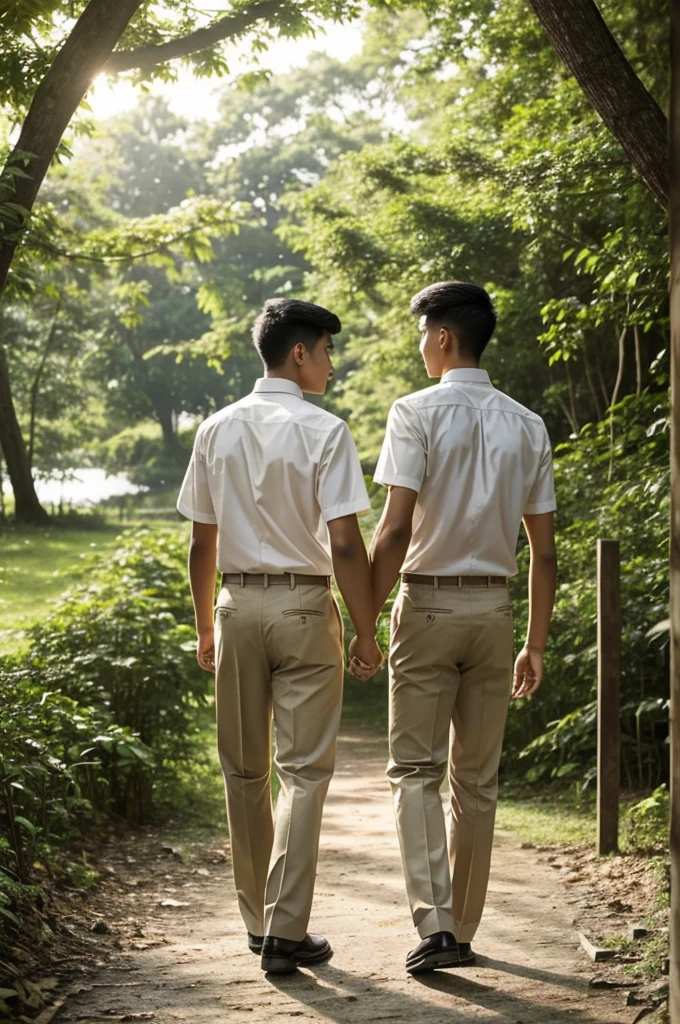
(545, 819)
(40, 563)
(652, 950)
(366, 703)
(37, 564)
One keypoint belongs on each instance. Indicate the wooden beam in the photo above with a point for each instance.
(608, 696)
(674, 930)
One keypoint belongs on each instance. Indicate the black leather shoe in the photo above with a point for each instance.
(438, 950)
(465, 954)
(255, 943)
(283, 956)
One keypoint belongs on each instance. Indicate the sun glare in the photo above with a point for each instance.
(195, 98)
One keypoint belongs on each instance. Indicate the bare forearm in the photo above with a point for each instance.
(202, 582)
(390, 542)
(353, 577)
(542, 585)
(388, 551)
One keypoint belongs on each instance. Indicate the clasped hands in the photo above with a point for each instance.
(365, 657)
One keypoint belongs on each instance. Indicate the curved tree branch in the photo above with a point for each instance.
(580, 35)
(147, 57)
(73, 70)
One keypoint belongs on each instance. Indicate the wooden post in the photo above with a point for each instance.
(674, 930)
(608, 696)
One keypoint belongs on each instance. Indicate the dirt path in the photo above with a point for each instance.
(198, 970)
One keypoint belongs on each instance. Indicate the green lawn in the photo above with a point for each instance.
(37, 564)
(545, 819)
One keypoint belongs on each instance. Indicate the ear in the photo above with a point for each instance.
(447, 339)
(299, 353)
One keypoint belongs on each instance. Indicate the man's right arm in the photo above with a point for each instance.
(202, 573)
(542, 585)
(390, 542)
(353, 577)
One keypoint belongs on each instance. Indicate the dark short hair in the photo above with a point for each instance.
(465, 308)
(284, 322)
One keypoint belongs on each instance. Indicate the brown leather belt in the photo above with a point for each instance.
(266, 579)
(455, 581)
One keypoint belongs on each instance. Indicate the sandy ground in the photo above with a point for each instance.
(190, 963)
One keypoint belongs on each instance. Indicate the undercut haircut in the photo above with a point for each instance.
(466, 309)
(285, 322)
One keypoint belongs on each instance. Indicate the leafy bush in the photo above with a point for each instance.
(99, 713)
(140, 452)
(612, 482)
(648, 821)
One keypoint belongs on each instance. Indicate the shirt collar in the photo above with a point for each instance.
(467, 374)
(274, 385)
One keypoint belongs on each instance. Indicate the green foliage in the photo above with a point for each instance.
(140, 452)
(99, 714)
(648, 821)
(500, 167)
(455, 145)
(612, 482)
(45, 560)
(545, 818)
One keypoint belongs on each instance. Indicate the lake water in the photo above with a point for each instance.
(83, 487)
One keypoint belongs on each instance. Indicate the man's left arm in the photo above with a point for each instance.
(202, 573)
(195, 503)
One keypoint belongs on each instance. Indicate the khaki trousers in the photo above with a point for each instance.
(278, 654)
(450, 681)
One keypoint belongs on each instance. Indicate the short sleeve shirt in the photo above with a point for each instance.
(271, 471)
(479, 461)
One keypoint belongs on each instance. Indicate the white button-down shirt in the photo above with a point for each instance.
(479, 462)
(271, 470)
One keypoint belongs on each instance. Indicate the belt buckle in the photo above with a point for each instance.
(242, 579)
(266, 580)
(435, 582)
(460, 582)
(291, 579)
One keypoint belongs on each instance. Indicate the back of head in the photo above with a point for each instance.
(285, 322)
(466, 309)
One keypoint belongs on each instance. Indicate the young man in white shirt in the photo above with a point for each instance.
(465, 465)
(273, 489)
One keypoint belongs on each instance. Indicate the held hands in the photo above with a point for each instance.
(205, 649)
(528, 672)
(365, 657)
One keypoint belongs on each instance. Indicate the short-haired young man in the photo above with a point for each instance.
(273, 489)
(465, 464)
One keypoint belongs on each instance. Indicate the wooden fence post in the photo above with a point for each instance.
(608, 696)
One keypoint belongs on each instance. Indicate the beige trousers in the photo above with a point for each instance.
(450, 680)
(278, 656)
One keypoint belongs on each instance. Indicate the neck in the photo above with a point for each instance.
(459, 363)
(284, 373)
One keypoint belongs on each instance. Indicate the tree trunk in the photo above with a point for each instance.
(3, 511)
(638, 360)
(27, 507)
(37, 381)
(674, 969)
(619, 372)
(591, 384)
(585, 44)
(165, 417)
(56, 99)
